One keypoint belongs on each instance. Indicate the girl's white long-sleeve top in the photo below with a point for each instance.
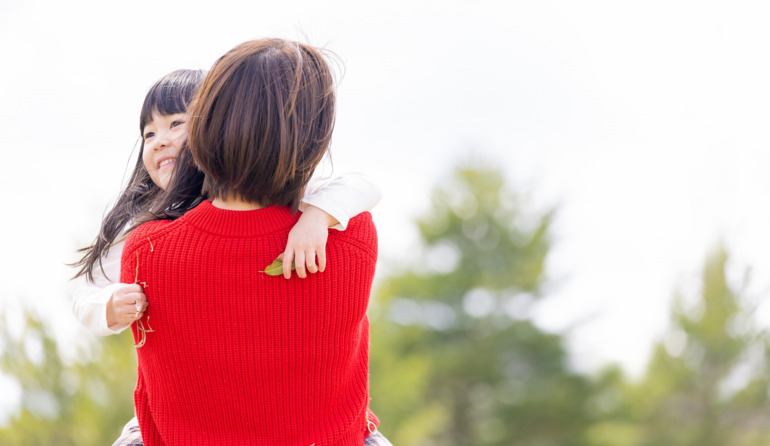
(343, 197)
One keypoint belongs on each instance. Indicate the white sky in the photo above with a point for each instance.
(644, 121)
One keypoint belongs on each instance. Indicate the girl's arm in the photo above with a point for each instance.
(106, 306)
(327, 204)
(342, 197)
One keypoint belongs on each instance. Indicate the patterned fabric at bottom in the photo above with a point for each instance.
(377, 439)
(131, 436)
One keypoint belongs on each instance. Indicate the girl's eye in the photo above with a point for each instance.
(176, 123)
(149, 135)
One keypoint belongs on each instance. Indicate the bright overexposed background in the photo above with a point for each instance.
(643, 123)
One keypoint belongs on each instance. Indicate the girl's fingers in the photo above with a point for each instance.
(310, 262)
(133, 294)
(133, 299)
(133, 308)
(133, 304)
(136, 307)
(299, 264)
(288, 256)
(321, 253)
(133, 288)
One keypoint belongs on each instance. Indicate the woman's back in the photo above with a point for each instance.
(239, 357)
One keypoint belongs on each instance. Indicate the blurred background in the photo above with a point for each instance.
(573, 230)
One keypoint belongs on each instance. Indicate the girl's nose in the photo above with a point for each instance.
(161, 141)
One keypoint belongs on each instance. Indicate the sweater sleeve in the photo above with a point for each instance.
(89, 303)
(342, 197)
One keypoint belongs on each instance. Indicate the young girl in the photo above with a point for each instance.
(105, 306)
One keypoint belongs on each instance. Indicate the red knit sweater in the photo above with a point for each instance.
(237, 357)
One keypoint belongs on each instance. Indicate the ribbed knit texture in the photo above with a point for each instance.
(237, 357)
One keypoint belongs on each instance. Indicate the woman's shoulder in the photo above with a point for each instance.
(151, 227)
(362, 222)
(145, 232)
(360, 232)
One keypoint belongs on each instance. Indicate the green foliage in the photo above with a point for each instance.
(707, 383)
(454, 360)
(79, 403)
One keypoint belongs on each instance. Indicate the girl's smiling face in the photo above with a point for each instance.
(163, 138)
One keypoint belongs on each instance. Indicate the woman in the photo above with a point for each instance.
(231, 355)
(104, 305)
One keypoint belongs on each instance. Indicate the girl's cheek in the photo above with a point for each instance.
(147, 161)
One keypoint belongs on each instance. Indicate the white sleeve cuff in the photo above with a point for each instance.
(343, 197)
(89, 306)
(327, 206)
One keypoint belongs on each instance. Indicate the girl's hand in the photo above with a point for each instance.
(307, 242)
(127, 304)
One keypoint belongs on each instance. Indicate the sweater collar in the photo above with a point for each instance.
(218, 221)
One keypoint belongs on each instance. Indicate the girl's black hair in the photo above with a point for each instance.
(142, 197)
(184, 192)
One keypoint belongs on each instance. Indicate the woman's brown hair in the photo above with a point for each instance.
(262, 121)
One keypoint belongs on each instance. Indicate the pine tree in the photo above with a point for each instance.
(455, 358)
(707, 382)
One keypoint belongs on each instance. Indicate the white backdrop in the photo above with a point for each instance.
(644, 122)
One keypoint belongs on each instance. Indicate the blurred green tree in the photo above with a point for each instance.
(707, 382)
(63, 403)
(455, 359)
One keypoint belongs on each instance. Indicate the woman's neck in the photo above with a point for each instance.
(235, 204)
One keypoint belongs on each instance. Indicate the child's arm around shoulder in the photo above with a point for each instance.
(342, 197)
(327, 204)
